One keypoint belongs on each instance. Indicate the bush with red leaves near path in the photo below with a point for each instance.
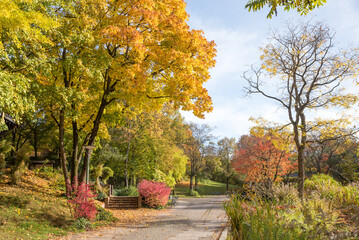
(81, 201)
(155, 193)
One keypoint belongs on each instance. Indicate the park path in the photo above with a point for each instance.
(191, 219)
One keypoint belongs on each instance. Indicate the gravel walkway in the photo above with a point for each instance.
(192, 218)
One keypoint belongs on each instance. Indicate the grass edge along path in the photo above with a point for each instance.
(205, 187)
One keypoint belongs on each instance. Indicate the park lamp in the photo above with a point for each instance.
(89, 148)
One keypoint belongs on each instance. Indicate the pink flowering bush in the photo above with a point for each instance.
(155, 193)
(81, 201)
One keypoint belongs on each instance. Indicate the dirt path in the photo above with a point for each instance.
(192, 218)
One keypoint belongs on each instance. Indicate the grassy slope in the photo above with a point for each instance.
(37, 209)
(34, 209)
(206, 187)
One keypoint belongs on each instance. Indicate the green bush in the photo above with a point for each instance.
(106, 174)
(131, 191)
(100, 195)
(82, 223)
(104, 215)
(193, 193)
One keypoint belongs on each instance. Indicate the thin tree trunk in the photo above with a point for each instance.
(13, 151)
(62, 130)
(75, 149)
(35, 143)
(301, 174)
(62, 149)
(126, 163)
(300, 147)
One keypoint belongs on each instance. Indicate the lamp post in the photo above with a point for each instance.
(88, 155)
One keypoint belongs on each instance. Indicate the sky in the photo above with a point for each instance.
(239, 34)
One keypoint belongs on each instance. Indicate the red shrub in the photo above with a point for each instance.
(155, 193)
(81, 199)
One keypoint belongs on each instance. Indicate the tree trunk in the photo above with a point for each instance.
(191, 183)
(62, 149)
(13, 151)
(92, 138)
(126, 163)
(227, 184)
(75, 148)
(196, 183)
(319, 169)
(35, 143)
(301, 174)
(300, 143)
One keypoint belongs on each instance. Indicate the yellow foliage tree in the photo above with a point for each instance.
(309, 71)
(115, 56)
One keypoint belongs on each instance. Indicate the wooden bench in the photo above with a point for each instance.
(123, 202)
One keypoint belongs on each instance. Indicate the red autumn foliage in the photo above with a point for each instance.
(155, 193)
(260, 160)
(81, 199)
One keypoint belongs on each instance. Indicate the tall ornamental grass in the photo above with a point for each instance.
(328, 211)
(333, 191)
(257, 221)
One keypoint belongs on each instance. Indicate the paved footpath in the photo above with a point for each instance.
(191, 219)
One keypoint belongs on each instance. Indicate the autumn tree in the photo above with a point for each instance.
(197, 148)
(147, 146)
(345, 167)
(260, 160)
(116, 55)
(225, 152)
(22, 46)
(309, 72)
(331, 156)
(211, 164)
(302, 6)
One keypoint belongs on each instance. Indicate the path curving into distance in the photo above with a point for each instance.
(191, 219)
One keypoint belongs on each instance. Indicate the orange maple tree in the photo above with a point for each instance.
(260, 160)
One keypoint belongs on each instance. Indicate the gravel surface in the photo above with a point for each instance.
(192, 218)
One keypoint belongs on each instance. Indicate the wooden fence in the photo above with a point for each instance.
(123, 202)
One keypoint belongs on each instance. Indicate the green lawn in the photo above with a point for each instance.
(205, 187)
